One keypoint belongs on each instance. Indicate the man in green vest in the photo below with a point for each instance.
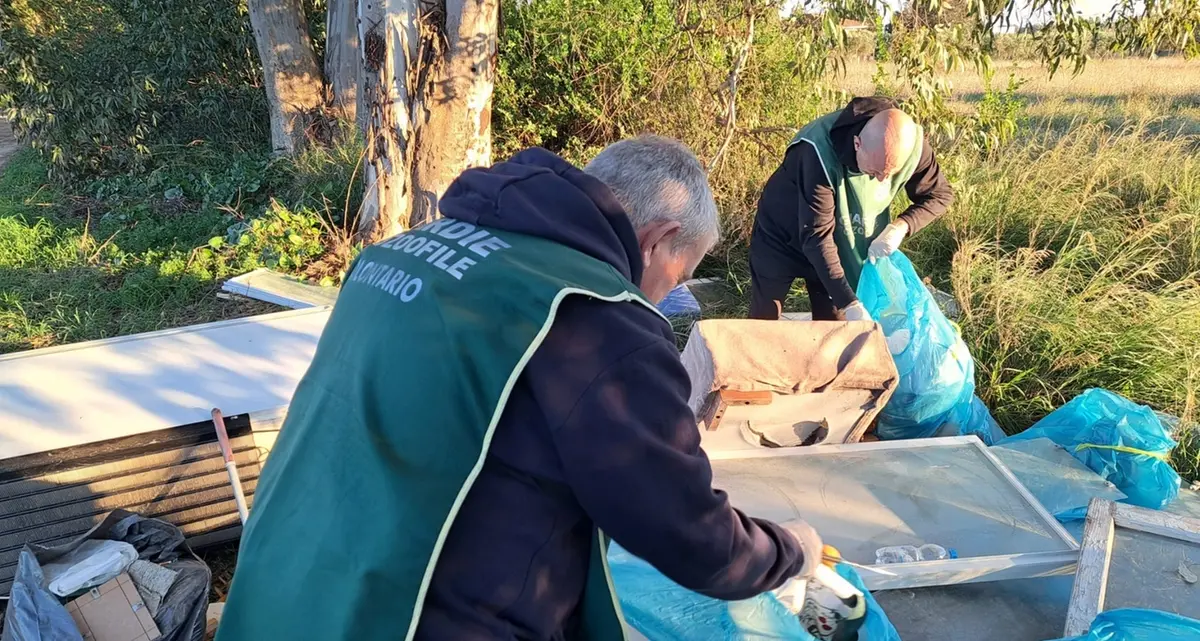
(494, 397)
(827, 209)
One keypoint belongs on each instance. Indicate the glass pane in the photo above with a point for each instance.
(860, 501)
(1145, 573)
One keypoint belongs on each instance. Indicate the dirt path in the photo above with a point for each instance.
(8, 144)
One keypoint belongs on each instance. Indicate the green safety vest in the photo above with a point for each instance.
(863, 203)
(390, 426)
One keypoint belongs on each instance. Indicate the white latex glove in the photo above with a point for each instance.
(810, 545)
(855, 312)
(888, 240)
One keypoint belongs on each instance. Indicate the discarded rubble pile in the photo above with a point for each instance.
(954, 539)
(128, 579)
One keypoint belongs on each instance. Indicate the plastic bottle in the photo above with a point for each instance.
(910, 554)
(895, 554)
(931, 552)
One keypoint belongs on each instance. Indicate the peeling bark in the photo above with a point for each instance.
(427, 94)
(290, 71)
(455, 130)
(343, 71)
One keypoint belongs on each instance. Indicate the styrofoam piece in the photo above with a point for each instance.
(87, 392)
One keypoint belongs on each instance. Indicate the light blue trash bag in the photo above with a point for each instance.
(936, 394)
(663, 611)
(1124, 442)
(1141, 625)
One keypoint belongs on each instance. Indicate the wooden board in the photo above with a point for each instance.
(64, 396)
(1137, 551)
(861, 497)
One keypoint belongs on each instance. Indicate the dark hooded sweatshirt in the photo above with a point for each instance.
(797, 204)
(597, 433)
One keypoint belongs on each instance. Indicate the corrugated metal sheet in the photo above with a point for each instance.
(176, 475)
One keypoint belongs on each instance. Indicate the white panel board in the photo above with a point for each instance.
(280, 289)
(87, 392)
(861, 497)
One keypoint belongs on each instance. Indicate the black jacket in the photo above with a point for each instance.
(797, 204)
(596, 432)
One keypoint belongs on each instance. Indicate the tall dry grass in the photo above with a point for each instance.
(1076, 258)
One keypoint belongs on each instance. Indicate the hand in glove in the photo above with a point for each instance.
(855, 312)
(810, 545)
(888, 240)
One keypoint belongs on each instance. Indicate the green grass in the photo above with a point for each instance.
(74, 270)
(133, 255)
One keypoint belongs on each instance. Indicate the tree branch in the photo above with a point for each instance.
(731, 109)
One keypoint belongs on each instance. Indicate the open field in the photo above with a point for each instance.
(1112, 91)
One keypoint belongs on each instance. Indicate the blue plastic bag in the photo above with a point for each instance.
(1141, 625)
(1118, 439)
(663, 611)
(936, 394)
(680, 304)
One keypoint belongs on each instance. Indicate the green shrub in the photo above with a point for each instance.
(575, 75)
(95, 84)
(280, 239)
(572, 72)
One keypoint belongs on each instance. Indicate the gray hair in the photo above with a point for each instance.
(656, 179)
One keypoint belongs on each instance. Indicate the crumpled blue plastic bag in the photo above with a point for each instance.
(936, 394)
(1118, 439)
(663, 611)
(681, 304)
(1141, 625)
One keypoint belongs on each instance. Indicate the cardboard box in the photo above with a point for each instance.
(113, 612)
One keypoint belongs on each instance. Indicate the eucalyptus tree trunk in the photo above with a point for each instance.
(426, 103)
(342, 66)
(293, 80)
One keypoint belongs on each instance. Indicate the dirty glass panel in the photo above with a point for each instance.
(948, 495)
(1156, 572)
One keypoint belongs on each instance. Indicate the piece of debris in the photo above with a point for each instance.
(113, 612)
(152, 582)
(1187, 574)
(213, 619)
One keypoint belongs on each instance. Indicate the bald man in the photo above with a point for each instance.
(827, 209)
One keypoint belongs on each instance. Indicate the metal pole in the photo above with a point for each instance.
(239, 496)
